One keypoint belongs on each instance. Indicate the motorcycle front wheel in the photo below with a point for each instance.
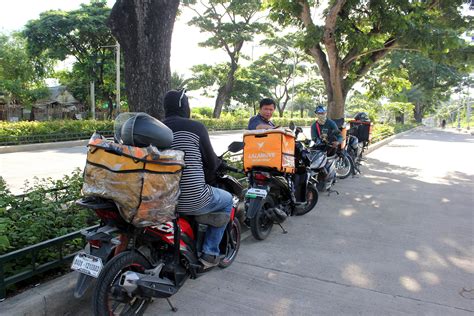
(312, 197)
(109, 297)
(232, 243)
(260, 224)
(343, 167)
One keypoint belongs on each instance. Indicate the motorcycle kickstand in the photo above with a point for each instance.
(173, 309)
(331, 191)
(282, 228)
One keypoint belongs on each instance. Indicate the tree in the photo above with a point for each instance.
(143, 29)
(231, 23)
(20, 83)
(281, 66)
(308, 95)
(357, 34)
(81, 33)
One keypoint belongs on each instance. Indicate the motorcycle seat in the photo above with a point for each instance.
(217, 219)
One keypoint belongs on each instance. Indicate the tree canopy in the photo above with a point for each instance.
(356, 35)
(230, 24)
(20, 83)
(80, 33)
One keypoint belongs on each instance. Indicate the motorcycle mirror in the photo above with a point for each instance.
(292, 126)
(299, 129)
(235, 147)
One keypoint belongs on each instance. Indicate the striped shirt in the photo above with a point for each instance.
(192, 138)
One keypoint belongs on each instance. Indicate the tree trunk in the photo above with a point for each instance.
(399, 118)
(143, 29)
(223, 94)
(418, 112)
(110, 110)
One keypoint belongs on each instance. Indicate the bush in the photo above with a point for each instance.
(45, 211)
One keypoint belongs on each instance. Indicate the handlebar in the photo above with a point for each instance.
(225, 166)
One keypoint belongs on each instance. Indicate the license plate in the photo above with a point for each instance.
(87, 264)
(253, 193)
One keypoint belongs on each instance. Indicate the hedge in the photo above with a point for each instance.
(50, 131)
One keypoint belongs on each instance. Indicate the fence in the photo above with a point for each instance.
(34, 268)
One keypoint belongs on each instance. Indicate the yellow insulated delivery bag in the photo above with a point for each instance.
(273, 149)
(143, 182)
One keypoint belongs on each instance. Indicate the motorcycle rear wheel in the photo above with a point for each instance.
(312, 197)
(260, 224)
(343, 167)
(109, 298)
(232, 245)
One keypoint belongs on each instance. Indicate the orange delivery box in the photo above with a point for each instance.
(274, 148)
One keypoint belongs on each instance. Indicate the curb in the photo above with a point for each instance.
(387, 140)
(55, 297)
(42, 146)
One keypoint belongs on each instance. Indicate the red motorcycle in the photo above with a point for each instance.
(150, 262)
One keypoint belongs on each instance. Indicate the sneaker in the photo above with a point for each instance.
(209, 260)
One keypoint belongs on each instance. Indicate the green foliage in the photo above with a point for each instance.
(357, 35)
(362, 103)
(41, 215)
(47, 210)
(201, 112)
(53, 127)
(20, 83)
(81, 33)
(382, 131)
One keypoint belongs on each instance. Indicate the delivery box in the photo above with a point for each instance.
(273, 149)
(143, 182)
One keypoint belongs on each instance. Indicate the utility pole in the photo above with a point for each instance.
(117, 83)
(93, 99)
(117, 74)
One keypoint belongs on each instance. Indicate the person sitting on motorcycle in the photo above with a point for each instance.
(325, 129)
(262, 119)
(196, 197)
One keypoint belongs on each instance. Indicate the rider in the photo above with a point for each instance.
(325, 129)
(262, 119)
(196, 197)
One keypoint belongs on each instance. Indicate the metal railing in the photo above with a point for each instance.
(48, 138)
(34, 268)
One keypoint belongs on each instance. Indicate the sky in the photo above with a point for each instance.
(185, 51)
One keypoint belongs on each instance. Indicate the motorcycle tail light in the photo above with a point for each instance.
(261, 176)
(95, 243)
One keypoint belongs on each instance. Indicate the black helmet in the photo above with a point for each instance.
(361, 116)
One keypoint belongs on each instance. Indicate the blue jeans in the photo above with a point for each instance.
(221, 202)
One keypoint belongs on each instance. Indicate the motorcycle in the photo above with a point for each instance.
(133, 265)
(355, 149)
(344, 163)
(272, 196)
(323, 167)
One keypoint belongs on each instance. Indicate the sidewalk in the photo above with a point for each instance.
(56, 297)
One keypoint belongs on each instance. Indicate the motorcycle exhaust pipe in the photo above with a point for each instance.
(147, 285)
(276, 214)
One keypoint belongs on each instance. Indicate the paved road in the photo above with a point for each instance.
(398, 240)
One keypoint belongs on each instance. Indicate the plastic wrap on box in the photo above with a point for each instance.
(143, 182)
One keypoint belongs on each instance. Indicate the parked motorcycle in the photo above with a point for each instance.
(273, 195)
(133, 265)
(323, 167)
(355, 149)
